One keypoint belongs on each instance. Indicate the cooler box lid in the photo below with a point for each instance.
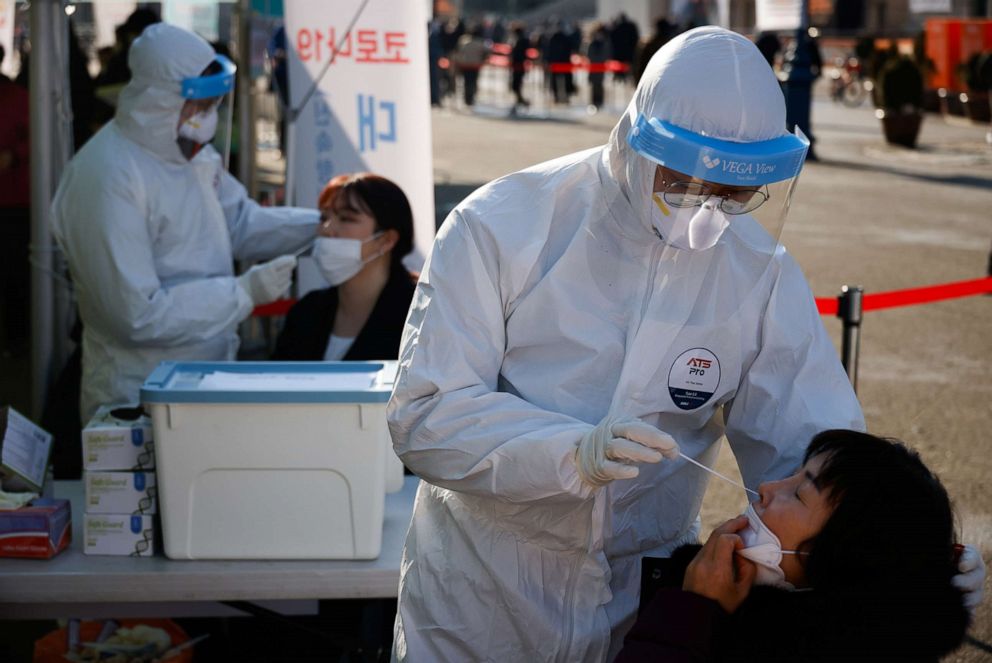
(270, 382)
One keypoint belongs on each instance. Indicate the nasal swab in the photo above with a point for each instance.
(306, 247)
(712, 471)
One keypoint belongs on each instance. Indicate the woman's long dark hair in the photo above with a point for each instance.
(379, 197)
(888, 549)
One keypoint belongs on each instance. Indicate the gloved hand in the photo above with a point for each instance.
(607, 451)
(971, 577)
(268, 281)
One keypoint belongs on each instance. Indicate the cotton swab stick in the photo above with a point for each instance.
(725, 478)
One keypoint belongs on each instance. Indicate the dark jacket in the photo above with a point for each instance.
(309, 323)
(772, 624)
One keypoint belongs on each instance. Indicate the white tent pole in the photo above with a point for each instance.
(42, 66)
(290, 197)
(245, 95)
(63, 306)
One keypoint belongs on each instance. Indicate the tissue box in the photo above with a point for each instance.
(114, 443)
(120, 492)
(40, 530)
(108, 534)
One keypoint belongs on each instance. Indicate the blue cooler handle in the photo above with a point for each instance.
(160, 376)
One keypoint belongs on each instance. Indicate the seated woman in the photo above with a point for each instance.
(850, 559)
(366, 229)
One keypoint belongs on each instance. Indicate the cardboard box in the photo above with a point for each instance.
(116, 443)
(120, 492)
(110, 534)
(40, 530)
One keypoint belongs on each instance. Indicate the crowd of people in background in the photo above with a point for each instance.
(459, 48)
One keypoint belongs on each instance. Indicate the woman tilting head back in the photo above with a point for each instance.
(849, 559)
(887, 553)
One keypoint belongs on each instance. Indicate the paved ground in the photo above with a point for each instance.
(865, 214)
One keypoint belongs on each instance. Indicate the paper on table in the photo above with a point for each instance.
(351, 381)
(24, 448)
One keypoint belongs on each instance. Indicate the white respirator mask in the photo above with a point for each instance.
(200, 128)
(339, 259)
(762, 547)
(690, 228)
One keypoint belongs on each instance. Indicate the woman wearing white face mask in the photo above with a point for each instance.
(366, 229)
(853, 559)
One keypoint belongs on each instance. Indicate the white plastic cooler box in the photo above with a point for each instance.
(272, 460)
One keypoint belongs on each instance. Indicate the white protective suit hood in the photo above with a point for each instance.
(547, 304)
(149, 105)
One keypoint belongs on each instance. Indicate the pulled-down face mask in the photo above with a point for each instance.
(762, 547)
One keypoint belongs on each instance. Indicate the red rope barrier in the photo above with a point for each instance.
(825, 305)
(928, 294)
(912, 296)
(592, 67)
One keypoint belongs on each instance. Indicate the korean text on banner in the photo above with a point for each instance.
(371, 111)
(777, 14)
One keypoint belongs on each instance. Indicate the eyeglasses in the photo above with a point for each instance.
(694, 194)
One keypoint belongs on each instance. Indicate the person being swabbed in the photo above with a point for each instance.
(851, 558)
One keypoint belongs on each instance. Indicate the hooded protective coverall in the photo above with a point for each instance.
(151, 236)
(544, 306)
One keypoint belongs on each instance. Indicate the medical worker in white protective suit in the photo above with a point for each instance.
(579, 324)
(151, 222)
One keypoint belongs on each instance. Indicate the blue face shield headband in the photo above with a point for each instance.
(720, 161)
(211, 85)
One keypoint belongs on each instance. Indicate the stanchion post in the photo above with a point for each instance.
(849, 310)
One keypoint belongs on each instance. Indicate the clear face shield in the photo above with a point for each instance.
(209, 110)
(717, 206)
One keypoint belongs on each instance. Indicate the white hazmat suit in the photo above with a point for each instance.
(550, 302)
(151, 236)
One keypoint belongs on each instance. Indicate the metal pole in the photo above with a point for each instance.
(245, 96)
(43, 67)
(849, 310)
(63, 304)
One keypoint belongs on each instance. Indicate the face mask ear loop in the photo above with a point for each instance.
(374, 237)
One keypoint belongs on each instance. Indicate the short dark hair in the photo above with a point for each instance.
(889, 544)
(385, 201)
